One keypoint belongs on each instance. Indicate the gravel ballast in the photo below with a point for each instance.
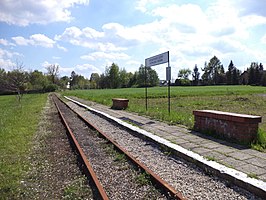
(120, 178)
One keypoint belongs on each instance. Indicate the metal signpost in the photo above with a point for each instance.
(157, 60)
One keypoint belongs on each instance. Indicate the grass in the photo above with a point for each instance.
(211, 158)
(238, 99)
(75, 189)
(253, 175)
(18, 123)
(143, 179)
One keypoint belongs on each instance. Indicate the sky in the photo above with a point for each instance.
(86, 36)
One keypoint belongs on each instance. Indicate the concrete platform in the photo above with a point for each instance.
(240, 163)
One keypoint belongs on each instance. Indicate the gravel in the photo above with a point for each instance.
(117, 175)
(185, 177)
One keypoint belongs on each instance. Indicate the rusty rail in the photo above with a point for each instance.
(88, 168)
(155, 178)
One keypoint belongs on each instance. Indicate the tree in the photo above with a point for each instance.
(132, 79)
(78, 81)
(263, 79)
(17, 79)
(113, 76)
(153, 79)
(94, 79)
(73, 80)
(37, 80)
(235, 76)
(195, 75)
(103, 82)
(229, 73)
(213, 72)
(142, 77)
(124, 78)
(53, 72)
(147, 77)
(252, 73)
(206, 77)
(184, 73)
(3, 80)
(64, 82)
(261, 67)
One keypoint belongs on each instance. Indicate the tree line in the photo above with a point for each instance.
(20, 81)
(114, 77)
(214, 74)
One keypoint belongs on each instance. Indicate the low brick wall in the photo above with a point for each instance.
(234, 127)
(120, 104)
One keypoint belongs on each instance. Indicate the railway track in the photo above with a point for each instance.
(113, 170)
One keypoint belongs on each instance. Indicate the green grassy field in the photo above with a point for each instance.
(18, 123)
(238, 99)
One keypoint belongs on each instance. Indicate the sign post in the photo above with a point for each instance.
(157, 60)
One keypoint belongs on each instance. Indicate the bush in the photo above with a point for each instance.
(50, 88)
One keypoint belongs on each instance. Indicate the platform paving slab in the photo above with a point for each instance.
(225, 149)
(239, 155)
(259, 162)
(180, 141)
(200, 150)
(210, 145)
(251, 169)
(213, 155)
(262, 177)
(232, 162)
(189, 145)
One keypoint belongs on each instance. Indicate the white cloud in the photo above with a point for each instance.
(65, 71)
(5, 54)
(46, 64)
(143, 5)
(107, 56)
(6, 58)
(6, 64)
(91, 38)
(88, 67)
(86, 37)
(41, 40)
(62, 48)
(4, 42)
(81, 69)
(248, 7)
(21, 40)
(263, 39)
(25, 12)
(56, 57)
(35, 40)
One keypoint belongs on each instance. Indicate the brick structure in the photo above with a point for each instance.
(231, 126)
(120, 104)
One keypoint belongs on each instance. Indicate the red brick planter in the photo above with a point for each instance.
(120, 104)
(234, 127)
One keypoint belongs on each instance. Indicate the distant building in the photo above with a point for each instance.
(163, 83)
(68, 85)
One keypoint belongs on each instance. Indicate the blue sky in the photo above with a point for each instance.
(85, 36)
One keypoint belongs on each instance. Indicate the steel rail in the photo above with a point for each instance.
(156, 179)
(88, 168)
